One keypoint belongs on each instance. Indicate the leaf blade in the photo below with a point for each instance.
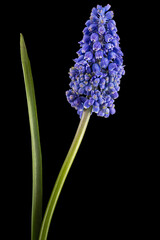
(35, 142)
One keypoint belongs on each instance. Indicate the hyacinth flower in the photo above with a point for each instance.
(94, 86)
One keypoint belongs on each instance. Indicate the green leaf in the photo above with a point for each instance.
(35, 142)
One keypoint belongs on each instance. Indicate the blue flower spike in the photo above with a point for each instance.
(96, 75)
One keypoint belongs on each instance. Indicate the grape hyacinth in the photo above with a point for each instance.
(94, 86)
(95, 77)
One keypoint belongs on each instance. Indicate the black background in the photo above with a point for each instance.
(108, 191)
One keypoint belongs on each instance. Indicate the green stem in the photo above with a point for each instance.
(63, 174)
(35, 141)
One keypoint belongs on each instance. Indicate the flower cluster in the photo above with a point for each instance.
(95, 77)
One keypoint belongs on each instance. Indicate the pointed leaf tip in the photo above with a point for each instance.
(21, 37)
